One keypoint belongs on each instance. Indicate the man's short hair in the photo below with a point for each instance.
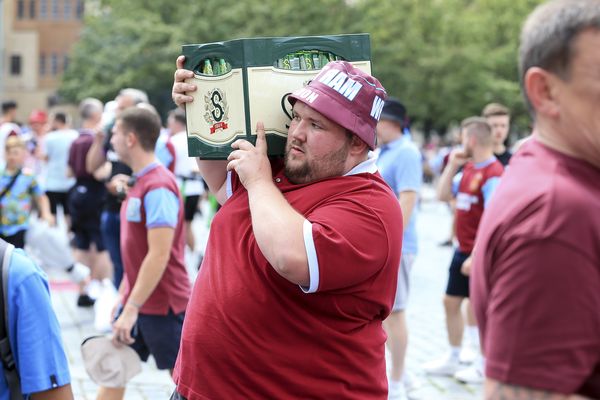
(495, 110)
(138, 96)
(14, 142)
(549, 33)
(60, 117)
(144, 124)
(8, 105)
(479, 128)
(90, 107)
(178, 115)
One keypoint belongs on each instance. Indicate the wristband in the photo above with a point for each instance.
(134, 304)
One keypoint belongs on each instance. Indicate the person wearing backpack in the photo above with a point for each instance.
(33, 357)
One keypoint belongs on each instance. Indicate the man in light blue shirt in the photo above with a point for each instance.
(400, 165)
(34, 332)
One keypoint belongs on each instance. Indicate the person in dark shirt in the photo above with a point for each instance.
(498, 116)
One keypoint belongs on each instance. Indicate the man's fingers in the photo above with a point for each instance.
(231, 165)
(180, 61)
(261, 140)
(241, 144)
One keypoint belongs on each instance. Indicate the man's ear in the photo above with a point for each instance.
(542, 88)
(131, 139)
(357, 145)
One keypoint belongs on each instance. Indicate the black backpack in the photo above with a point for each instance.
(8, 361)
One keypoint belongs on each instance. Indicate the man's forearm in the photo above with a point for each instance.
(445, 183)
(407, 200)
(214, 173)
(95, 157)
(152, 269)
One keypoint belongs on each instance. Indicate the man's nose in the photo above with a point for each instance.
(298, 132)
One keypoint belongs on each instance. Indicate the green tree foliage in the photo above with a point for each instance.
(444, 58)
(135, 43)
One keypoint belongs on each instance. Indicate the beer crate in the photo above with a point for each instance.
(243, 81)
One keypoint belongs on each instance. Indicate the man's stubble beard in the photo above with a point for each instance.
(328, 165)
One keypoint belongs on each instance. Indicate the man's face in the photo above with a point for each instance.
(15, 157)
(316, 147)
(119, 140)
(467, 143)
(387, 131)
(579, 98)
(500, 126)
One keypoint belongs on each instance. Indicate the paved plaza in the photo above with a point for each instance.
(425, 319)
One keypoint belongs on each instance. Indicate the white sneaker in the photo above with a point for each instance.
(468, 354)
(446, 366)
(473, 374)
(79, 272)
(396, 391)
(411, 381)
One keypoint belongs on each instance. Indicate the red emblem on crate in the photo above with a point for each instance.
(217, 110)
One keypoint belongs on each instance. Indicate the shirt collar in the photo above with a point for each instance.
(146, 169)
(367, 166)
(485, 163)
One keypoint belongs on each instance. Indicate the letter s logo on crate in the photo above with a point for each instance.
(217, 110)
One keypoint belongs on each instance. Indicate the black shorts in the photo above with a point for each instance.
(57, 198)
(159, 335)
(190, 207)
(85, 236)
(458, 283)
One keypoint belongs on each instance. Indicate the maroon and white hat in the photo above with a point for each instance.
(347, 96)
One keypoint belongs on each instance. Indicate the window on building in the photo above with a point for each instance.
(80, 9)
(32, 9)
(68, 9)
(15, 65)
(42, 64)
(65, 62)
(54, 64)
(43, 9)
(55, 10)
(21, 9)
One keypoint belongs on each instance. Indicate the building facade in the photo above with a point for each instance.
(36, 38)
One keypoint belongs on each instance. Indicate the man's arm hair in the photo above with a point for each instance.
(495, 390)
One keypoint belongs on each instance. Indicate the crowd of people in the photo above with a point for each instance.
(305, 278)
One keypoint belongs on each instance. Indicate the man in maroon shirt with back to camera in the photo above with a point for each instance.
(536, 274)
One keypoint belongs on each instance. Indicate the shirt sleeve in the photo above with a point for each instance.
(542, 311)
(409, 173)
(488, 189)
(346, 245)
(35, 334)
(161, 207)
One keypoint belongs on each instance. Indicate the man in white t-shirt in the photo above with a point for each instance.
(186, 170)
(57, 145)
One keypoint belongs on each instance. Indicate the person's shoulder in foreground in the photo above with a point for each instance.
(536, 281)
(34, 333)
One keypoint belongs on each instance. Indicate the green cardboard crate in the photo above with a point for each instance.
(243, 81)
